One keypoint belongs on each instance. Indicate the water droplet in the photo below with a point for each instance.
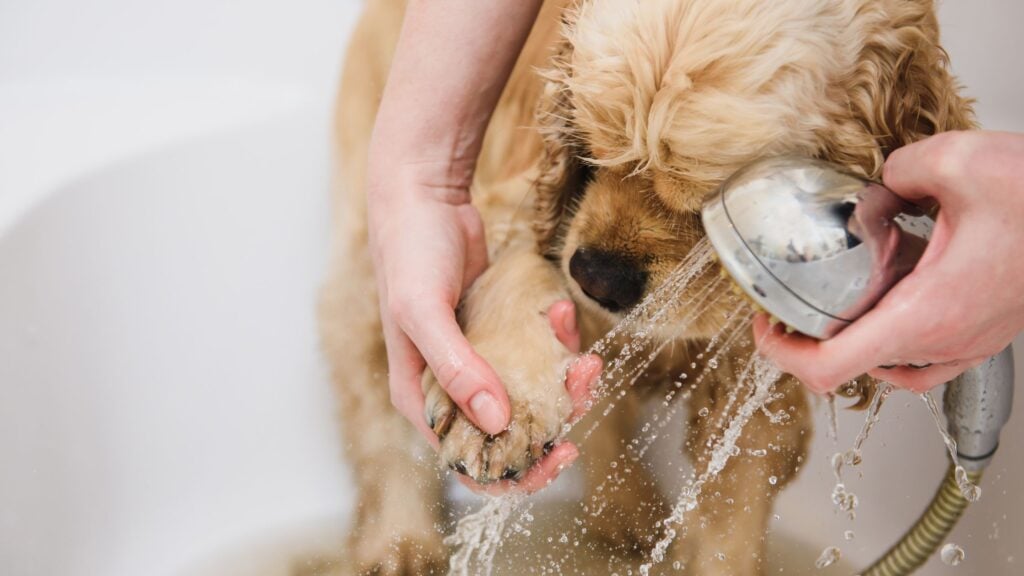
(848, 534)
(969, 490)
(703, 412)
(773, 480)
(829, 556)
(952, 554)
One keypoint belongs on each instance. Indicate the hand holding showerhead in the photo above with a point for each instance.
(960, 305)
(890, 291)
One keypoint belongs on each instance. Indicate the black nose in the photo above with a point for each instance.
(613, 281)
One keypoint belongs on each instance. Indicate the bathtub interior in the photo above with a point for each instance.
(163, 229)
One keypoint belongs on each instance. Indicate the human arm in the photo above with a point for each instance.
(450, 65)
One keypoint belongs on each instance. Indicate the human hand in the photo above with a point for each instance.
(428, 246)
(428, 249)
(579, 381)
(963, 302)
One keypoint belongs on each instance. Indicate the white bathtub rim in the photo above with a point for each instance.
(58, 130)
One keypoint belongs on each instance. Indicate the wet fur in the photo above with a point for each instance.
(618, 119)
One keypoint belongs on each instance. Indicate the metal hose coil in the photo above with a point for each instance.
(928, 533)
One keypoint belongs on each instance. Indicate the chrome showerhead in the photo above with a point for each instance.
(814, 245)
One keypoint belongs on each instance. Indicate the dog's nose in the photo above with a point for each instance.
(611, 280)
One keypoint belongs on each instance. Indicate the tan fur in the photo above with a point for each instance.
(619, 118)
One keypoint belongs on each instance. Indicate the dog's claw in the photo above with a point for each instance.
(440, 424)
(438, 410)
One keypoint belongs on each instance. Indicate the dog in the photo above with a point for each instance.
(619, 118)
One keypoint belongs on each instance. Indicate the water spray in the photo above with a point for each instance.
(816, 247)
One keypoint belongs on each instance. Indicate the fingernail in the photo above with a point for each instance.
(569, 323)
(487, 413)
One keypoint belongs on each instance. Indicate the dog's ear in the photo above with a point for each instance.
(901, 89)
(563, 172)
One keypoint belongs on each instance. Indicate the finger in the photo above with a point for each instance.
(476, 244)
(930, 168)
(562, 315)
(542, 474)
(405, 371)
(823, 365)
(924, 379)
(788, 351)
(580, 381)
(466, 377)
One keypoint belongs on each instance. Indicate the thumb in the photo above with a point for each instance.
(467, 378)
(476, 244)
(933, 168)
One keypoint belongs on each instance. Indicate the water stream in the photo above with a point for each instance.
(628, 350)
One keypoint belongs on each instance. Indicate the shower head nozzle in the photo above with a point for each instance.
(813, 244)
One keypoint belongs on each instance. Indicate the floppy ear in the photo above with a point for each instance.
(900, 90)
(563, 174)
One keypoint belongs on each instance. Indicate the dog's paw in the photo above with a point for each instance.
(532, 430)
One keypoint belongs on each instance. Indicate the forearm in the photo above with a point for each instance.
(450, 66)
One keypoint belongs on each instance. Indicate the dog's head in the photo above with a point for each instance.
(649, 105)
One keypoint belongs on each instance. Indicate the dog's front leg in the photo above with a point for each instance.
(504, 316)
(725, 534)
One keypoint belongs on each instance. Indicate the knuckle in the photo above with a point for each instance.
(950, 156)
(449, 374)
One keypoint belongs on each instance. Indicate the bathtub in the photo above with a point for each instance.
(163, 228)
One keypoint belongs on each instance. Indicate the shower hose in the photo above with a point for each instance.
(922, 539)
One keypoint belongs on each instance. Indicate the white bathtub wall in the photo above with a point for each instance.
(163, 181)
(85, 83)
(163, 229)
(985, 49)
